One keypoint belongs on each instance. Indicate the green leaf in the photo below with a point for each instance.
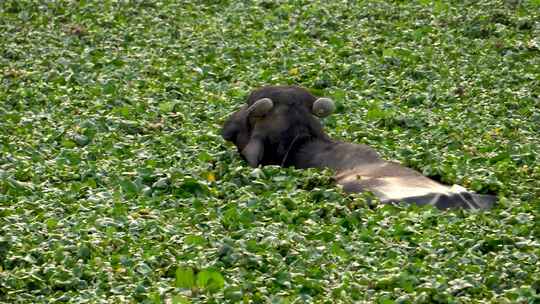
(185, 277)
(81, 140)
(191, 186)
(167, 107)
(194, 240)
(210, 280)
(233, 294)
(179, 299)
(129, 187)
(68, 143)
(441, 6)
(85, 252)
(161, 183)
(51, 223)
(388, 53)
(375, 112)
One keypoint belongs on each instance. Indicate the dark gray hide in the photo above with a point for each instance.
(279, 126)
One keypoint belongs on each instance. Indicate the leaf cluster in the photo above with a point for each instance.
(116, 186)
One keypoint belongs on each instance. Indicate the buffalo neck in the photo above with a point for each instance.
(329, 153)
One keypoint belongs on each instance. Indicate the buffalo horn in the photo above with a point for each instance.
(260, 107)
(323, 107)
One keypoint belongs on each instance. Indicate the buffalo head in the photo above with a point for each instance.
(274, 122)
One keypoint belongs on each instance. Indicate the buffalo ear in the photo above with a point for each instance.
(323, 107)
(260, 107)
(253, 152)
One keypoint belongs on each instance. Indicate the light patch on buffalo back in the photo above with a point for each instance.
(396, 188)
(391, 187)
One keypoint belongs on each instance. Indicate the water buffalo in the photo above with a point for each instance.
(279, 125)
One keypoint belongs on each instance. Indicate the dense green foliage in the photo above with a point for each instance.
(115, 185)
